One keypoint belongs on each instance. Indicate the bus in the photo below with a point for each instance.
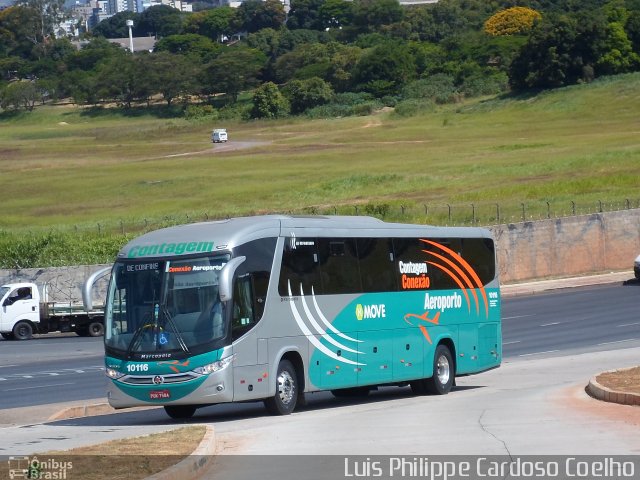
(272, 307)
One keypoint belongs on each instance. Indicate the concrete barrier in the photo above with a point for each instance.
(568, 247)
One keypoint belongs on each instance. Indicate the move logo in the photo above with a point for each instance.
(371, 311)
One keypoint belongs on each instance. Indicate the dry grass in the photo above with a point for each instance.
(130, 459)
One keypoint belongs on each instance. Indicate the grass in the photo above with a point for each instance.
(64, 167)
(130, 459)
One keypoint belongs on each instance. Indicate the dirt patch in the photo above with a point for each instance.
(575, 401)
(627, 381)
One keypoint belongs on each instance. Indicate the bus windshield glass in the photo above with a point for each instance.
(160, 308)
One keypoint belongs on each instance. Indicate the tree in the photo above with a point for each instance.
(309, 93)
(511, 21)
(618, 55)
(234, 70)
(370, 15)
(305, 14)
(16, 32)
(214, 23)
(561, 50)
(304, 55)
(190, 44)
(45, 16)
(384, 69)
(336, 13)
(20, 94)
(159, 21)
(254, 15)
(97, 50)
(268, 102)
(116, 26)
(124, 80)
(172, 75)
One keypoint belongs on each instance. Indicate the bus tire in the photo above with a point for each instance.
(286, 397)
(7, 335)
(96, 329)
(354, 392)
(22, 330)
(180, 412)
(443, 375)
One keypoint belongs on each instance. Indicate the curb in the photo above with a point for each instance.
(606, 394)
(82, 411)
(90, 410)
(196, 464)
(540, 286)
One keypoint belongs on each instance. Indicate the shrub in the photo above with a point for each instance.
(414, 106)
(439, 88)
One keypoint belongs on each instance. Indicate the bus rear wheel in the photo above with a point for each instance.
(180, 412)
(286, 397)
(443, 375)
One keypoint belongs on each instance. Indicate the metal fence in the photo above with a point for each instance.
(449, 214)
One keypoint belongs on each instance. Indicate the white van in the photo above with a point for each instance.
(219, 135)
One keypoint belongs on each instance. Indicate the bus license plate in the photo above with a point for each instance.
(159, 394)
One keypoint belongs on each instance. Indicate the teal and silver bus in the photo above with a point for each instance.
(272, 307)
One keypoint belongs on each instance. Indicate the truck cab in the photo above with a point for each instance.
(19, 309)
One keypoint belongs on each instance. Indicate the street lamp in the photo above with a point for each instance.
(130, 25)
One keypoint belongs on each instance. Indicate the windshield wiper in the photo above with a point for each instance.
(169, 319)
(137, 335)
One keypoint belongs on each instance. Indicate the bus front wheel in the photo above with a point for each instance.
(443, 375)
(179, 412)
(286, 397)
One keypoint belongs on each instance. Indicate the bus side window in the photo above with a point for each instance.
(243, 316)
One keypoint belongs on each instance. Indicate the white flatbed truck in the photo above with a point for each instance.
(25, 310)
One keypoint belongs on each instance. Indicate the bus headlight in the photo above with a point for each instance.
(113, 374)
(214, 367)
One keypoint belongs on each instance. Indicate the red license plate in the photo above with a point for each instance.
(159, 394)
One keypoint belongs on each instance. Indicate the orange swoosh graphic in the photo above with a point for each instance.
(468, 268)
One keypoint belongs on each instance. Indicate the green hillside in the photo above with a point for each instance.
(70, 169)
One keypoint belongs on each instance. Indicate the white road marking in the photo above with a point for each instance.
(537, 353)
(39, 386)
(519, 316)
(510, 343)
(628, 324)
(550, 324)
(5, 366)
(619, 341)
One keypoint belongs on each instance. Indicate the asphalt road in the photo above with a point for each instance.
(53, 369)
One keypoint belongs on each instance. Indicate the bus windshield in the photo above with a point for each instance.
(156, 309)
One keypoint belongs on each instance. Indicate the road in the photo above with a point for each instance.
(534, 404)
(53, 369)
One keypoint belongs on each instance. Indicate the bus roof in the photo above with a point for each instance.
(224, 235)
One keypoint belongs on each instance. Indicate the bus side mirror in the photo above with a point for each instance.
(226, 277)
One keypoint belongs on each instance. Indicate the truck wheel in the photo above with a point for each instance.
(8, 336)
(82, 331)
(441, 381)
(96, 329)
(22, 330)
(178, 412)
(286, 397)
